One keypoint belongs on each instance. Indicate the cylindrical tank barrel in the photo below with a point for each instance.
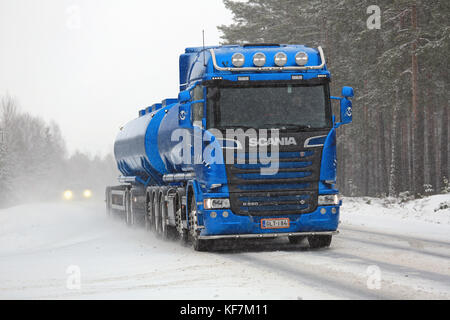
(142, 145)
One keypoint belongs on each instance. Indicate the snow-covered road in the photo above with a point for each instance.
(46, 248)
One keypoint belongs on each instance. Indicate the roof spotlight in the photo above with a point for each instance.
(280, 59)
(259, 59)
(238, 59)
(301, 58)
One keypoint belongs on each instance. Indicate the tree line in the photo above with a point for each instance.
(35, 164)
(398, 142)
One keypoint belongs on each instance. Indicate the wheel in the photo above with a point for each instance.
(108, 202)
(182, 233)
(128, 209)
(296, 239)
(319, 241)
(149, 217)
(157, 214)
(198, 244)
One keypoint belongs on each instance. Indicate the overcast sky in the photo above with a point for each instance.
(90, 65)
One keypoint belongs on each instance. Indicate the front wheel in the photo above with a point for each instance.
(198, 244)
(319, 241)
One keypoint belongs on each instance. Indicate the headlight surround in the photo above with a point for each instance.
(328, 200)
(216, 203)
(280, 59)
(301, 58)
(238, 59)
(259, 59)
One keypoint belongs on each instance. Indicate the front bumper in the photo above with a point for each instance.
(324, 220)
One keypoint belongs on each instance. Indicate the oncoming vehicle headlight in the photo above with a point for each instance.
(238, 59)
(301, 58)
(259, 59)
(328, 200)
(87, 193)
(68, 195)
(216, 203)
(280, 59)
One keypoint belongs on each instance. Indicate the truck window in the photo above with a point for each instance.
(197, 108)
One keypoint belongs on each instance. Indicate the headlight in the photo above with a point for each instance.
(328, 200)
(238, 59)
(301, 58)
(68, 195)
(216, 204)
(259, 59)
(280, 59)
(87, 193)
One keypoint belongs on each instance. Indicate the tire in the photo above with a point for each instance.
(128, 210)
(296, 239)
(182, 234)
(198, 244)
(320, 241)
(108, 202)
(149, 221)
(157, 214)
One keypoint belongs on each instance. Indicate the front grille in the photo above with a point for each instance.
(293, 189)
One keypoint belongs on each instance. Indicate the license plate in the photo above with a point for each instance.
(276, 223)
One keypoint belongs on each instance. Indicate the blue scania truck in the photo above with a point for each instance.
(192, 167)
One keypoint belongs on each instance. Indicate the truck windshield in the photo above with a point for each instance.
(283, 106)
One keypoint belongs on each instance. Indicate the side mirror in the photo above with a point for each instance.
(345, 106)
(346, 111)
(184, 96)
(347, 92)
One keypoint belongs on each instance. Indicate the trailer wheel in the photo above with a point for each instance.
(108, 202)
(163, 209)
(319, 241)
(128, 218)
(157, 214)
(149, 222)
(198, 244)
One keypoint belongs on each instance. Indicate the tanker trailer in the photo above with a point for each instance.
(247, 150)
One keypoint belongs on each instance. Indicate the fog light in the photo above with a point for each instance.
(333, 210)
(323, 211)
(213, 214)
(225, 214)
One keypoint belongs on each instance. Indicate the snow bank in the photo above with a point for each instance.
(429, 216)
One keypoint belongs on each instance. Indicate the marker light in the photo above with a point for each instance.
(280, 59)
(238, 59)
(301, 58)
(68, 195)
(87, 193)
(259, 59)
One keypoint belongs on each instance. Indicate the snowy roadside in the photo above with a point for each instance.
(422, 218)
